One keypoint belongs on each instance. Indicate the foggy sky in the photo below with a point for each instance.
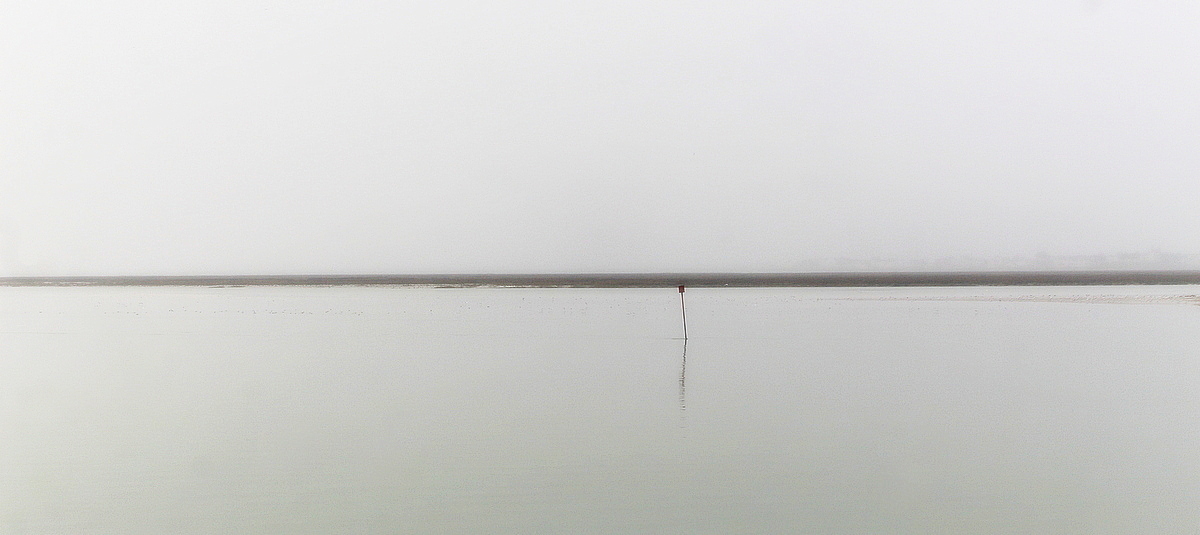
(256, 136)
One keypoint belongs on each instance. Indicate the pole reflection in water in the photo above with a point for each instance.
(683, 379)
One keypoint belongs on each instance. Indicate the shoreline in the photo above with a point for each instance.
(648, 280)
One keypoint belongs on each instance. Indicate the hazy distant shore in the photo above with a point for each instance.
(645, 280)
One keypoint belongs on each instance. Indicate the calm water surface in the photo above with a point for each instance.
(394, 410)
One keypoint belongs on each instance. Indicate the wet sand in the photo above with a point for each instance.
(646, 280)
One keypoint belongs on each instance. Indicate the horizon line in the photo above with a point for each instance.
(645, 280)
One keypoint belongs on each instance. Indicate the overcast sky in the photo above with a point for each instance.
(255, 136)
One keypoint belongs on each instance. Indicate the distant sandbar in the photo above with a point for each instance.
(647, 280)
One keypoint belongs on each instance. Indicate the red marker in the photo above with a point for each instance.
(680, 288)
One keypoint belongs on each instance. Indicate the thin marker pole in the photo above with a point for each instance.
(683, 307)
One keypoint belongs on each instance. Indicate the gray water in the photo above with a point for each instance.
(406, 410)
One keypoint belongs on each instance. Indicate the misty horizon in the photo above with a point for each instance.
(1156, 261)
(266, 137)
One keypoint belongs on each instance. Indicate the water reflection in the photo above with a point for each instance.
(499, 410)
(683, 379)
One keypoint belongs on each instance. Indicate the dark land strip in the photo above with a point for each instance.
(646, 280)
